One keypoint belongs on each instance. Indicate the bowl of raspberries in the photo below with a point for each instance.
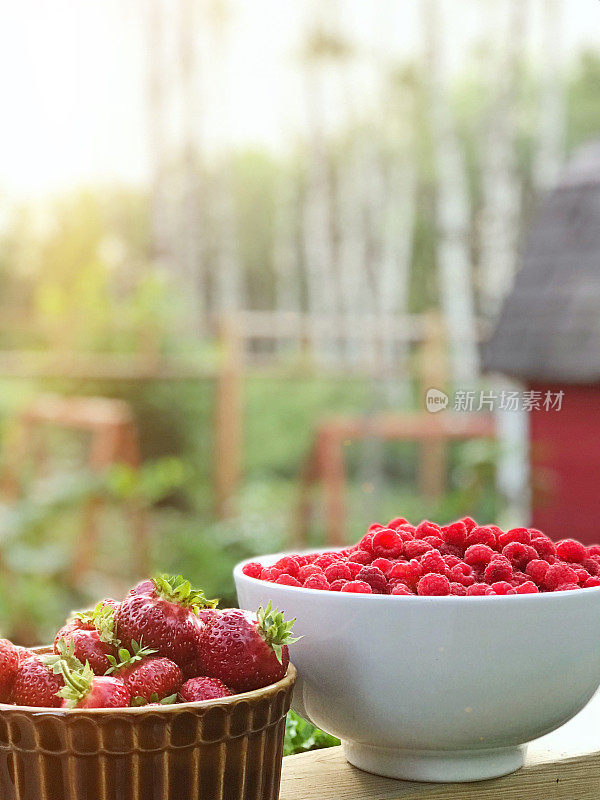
(436, 652)
(159, 695)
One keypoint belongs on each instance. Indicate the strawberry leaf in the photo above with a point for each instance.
(275, 630)
(103, 619)
(77, 684)
(127, 658)
(66, 655)
(176, 589)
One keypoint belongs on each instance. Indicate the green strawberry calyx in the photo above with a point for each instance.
(129, 658)
(138, 701)
(176, 589)
(78, 683)
(64, 657)
(103, 619)
(274, 629)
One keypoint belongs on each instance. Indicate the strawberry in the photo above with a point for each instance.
(93, 635)
(197, 689)
(39, 678)
(83, 689)
(10, 659)
(145, 675)
(245, 651)
(165, 618)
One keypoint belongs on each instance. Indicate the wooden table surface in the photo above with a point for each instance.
(564, 765)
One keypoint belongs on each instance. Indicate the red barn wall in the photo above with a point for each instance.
(565, 462)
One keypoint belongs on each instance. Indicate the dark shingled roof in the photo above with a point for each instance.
(549, 328)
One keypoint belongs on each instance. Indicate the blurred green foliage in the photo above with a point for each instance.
(301, 736)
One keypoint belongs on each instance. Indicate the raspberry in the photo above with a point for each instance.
(432, 561)
(458, 589)
(469, 523)
(288, 580)
(317, 581)
(593, 550)
(518, 554)
(336, 586)
(375, 526)
(451, 550)
(452, 561)
(357, 587)
(387, 544)
(434, 541)
(582, 575)
(426, 528)
(374, 577)
(433, 585)
(461, 573)
(567, 587)
(537, 569)
(502, 587)
(499, 569)
(308, 570)
(482, 535)
(521, 535)
(337, 571)
(416, 548)
(479, 554)
(406, 531)
(270, 574)
(528, 587)
(455, 534)
(253, 569)
(287, 565)
(591, 565)
(396, 522)
(519, 577)
(360, 557)
(571, 550)
(477, 589)
(545, 547)
(594, 581)
(302, 561)
(407, 573)
(400, 588)
(366, 543)
(354, 568)
(558, 575)
(324, 560)
(384, 564)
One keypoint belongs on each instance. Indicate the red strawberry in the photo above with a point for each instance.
(38, 679)
(83, 689)
(146, 676)
(203, 689)
(165, 618)
(93, 635)
(10, 659)
(245, 651)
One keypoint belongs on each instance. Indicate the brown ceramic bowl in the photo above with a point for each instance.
(226, 749)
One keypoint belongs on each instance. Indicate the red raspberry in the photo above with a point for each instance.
(458, 589)
(591, 565)
(521, 535)
(451, 550)
(360, 557)
(519, 577)
(324, 560)
(469, 523)
(407, 573)
(288, 580)
(432, 561)
(571, 550)
(537, 569)
(396, 522)
(270, 574)
(336, 586)
(426, 528)
(499, 569)
(479, 554)
(528, 587)
(567, 587)
(337, 571)
(357, 587)
(593, 550)
(406, 531)
(287, 565)
(502, 588)
(354, 568)
(253, 569)
(375, 526)
(594, 581)
(308, 570)
(433, 585)
(477, 589)
(582, 575)
(387, 544)
(519, 554)
(558, 575)
(452, 561)
(374, 577)
(416, 548)
(455, 534)
(366, 543)
(482, 535)
(302, 561)
(317, 581)
(384, 564)
(434, 541)
(545, 547)
(400, 588)
(461, 573)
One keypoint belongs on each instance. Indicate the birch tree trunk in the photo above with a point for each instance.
(453, 209)
(500, 181)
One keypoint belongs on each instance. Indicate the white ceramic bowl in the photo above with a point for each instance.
(437, 688)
